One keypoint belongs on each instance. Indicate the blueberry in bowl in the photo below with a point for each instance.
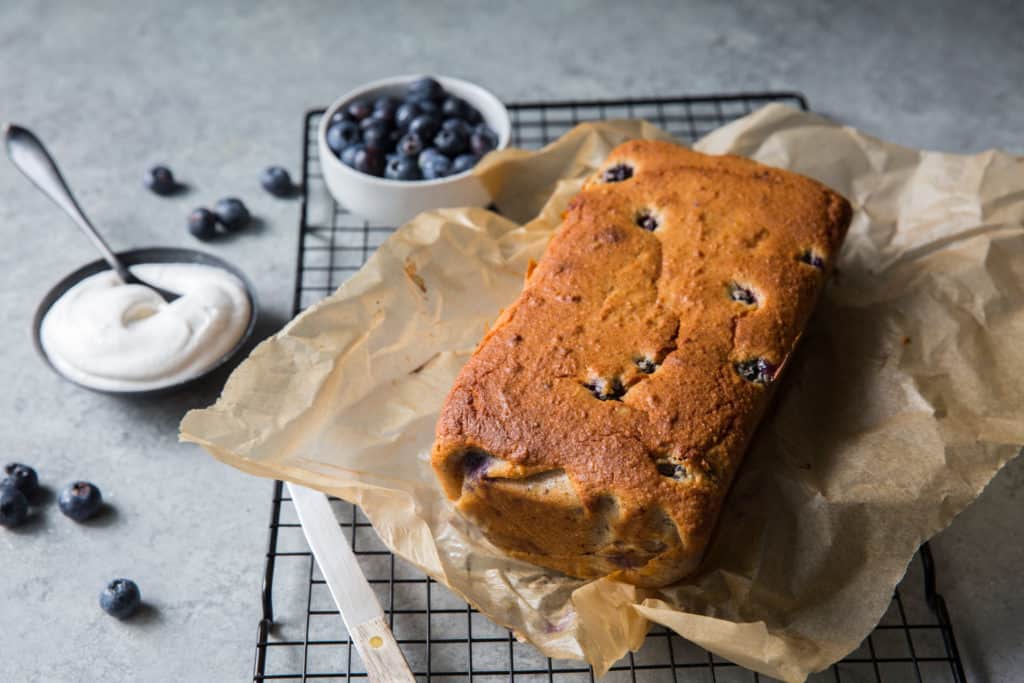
(385, 108)
(436, 166)
(378, 136)
(425, 126)
(403, 168)
(410, 145)
(483, 140)
(456, 108)
(348, 155)
(342, 134)
(414, 150)
(450, 141)
(360, 109)
(461, 125)
(464, 162)
(425, 88)
(368, 160)
(405, 113)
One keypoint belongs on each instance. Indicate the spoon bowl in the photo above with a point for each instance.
(29, 155)
(139, 257)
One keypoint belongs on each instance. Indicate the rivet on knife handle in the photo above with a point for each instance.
(383, 659)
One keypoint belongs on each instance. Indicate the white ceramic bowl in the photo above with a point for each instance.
(393, 202)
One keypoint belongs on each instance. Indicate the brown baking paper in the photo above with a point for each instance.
(903, 401)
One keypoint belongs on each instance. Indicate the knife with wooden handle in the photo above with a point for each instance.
(356, 601)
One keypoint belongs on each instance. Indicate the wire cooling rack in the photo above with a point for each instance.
(301, 636)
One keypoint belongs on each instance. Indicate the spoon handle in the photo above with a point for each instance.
(32, 159)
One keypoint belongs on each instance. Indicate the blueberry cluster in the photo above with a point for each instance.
(429, 134)
(229, 213)
(79, 501)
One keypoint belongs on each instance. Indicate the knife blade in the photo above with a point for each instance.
(357, 603)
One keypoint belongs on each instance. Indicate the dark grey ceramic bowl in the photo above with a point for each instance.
(138, 257)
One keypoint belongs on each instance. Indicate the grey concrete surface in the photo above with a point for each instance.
(217, 90)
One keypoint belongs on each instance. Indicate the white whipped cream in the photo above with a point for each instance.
(117, 337)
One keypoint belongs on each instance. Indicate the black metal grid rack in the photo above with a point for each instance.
(304, 639)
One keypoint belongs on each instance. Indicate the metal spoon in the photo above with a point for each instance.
(32, 159)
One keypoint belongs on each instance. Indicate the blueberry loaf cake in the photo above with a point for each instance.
(600, 422)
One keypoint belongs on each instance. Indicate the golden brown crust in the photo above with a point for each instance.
(599, 424)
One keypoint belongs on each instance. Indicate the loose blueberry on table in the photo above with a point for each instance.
(426, 135)
(231, 213)
(13, 507)
(159, 179)
(80, 501)
(276, 181)
(121, 598)
(202, 223)
(21, 477)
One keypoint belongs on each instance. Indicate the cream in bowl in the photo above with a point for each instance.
(393, 200)
(118, 338)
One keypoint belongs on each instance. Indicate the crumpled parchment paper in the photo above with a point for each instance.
(905, 398)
